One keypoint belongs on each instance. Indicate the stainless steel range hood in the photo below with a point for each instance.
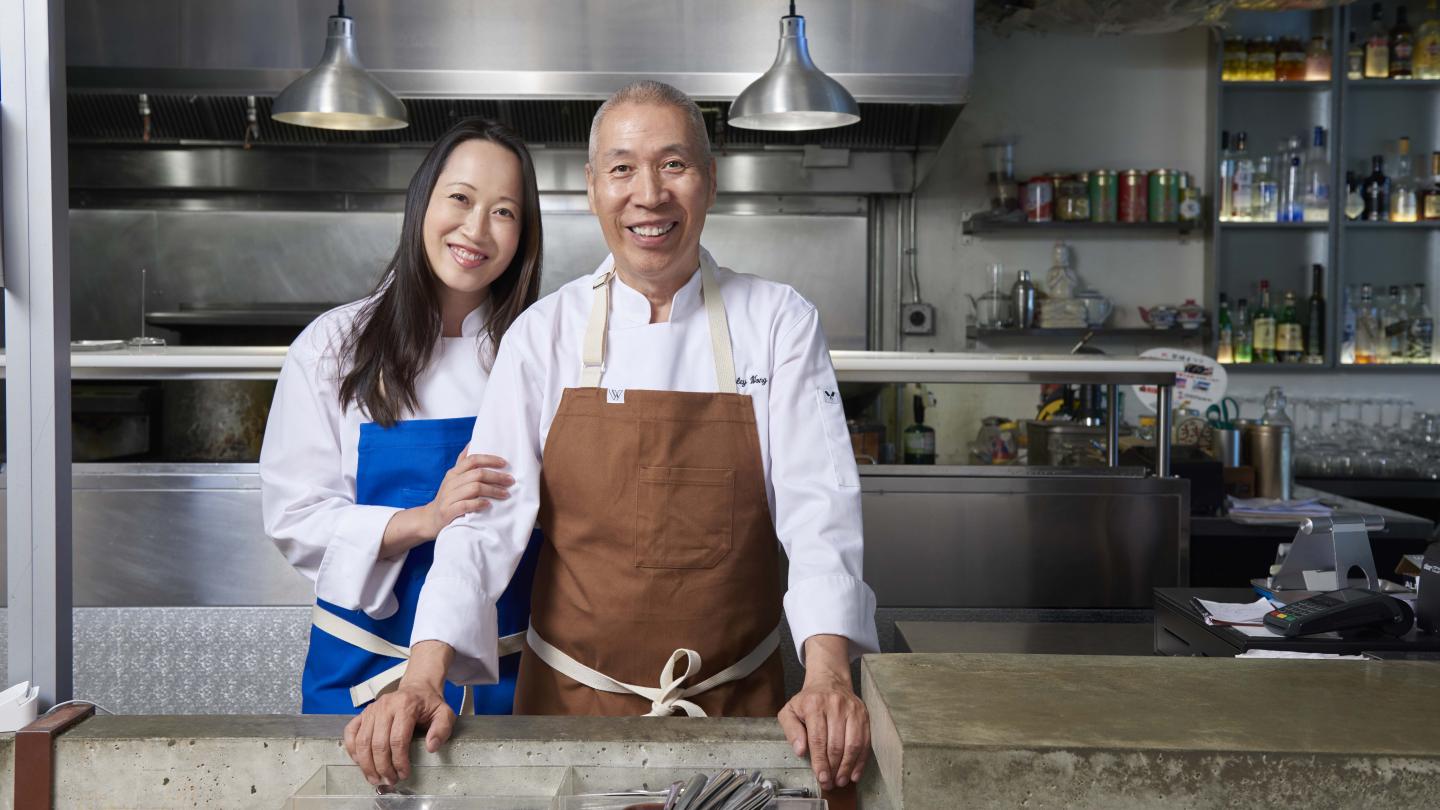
(541, 66)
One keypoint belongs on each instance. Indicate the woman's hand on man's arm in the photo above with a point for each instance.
(469, 486)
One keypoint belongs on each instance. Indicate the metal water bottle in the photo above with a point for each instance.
(1022, 299)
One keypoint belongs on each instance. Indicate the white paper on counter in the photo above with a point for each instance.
(1235, 612)
(1292, 654)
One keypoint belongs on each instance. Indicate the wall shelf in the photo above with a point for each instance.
(982, 224)
(1278, 368)
(1429, 224)
(1392, 84)
(981, 333)
(1279, 87)
(1276, 226)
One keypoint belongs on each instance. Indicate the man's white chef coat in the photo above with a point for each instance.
(782, 363)
(309, 457)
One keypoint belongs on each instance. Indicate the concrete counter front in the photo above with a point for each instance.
(1042, 731)
(951, 731)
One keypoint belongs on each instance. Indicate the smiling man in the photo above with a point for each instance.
(672, 425)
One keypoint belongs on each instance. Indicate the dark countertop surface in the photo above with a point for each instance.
(1398, 525)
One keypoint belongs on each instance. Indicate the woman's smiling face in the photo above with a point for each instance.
(472, 224)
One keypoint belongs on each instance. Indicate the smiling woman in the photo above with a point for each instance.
(365, 456)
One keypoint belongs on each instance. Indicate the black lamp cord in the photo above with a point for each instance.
(341, 12)
(792, 9)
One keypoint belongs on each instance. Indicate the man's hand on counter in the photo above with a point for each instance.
(378, 739)
(826, 720)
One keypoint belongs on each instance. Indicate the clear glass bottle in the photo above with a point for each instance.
(1427, 45)
(1263, 327)
(1377, 46)
(1355, 59)
(1225, 347)
(1275, 403)
(1404, 202)
(1354, 202)
(1243, 197)
(1368, 336)
(1266, 204)
(1376, 192)
(1227, 178)
(1244, 345)
(1317, 60)
(1402, 47)
(1420, 344)
(1395, 321)
(1316, 197)
(1349, 326)
(1292, 191)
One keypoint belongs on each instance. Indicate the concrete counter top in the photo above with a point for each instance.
(1045, 731)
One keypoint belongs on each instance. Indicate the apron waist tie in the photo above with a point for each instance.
(672, 693)
(386, 681)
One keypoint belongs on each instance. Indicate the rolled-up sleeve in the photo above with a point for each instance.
(476, 555)
(307, 499)
(817, 493)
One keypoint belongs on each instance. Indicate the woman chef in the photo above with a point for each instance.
(363, 461)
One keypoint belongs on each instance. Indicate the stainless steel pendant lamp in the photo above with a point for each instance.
(338, 93)
(794, 95)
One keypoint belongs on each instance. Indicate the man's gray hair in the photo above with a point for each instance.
(646, 91)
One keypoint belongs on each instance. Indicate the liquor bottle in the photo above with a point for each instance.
(1355, 59)
(1289, 337)
(919, 438)
(1403, 203)
(1348, 326)
(1317, 181)
(1376, 192)
(1377, 46)
(1402, 47)
(1227, 178)
(1317, 60)
(1225, 348)
(1427, 45)
(1421, 342)
(1367, 328)
(1266, 203)
(1430, 206)
(1315, 329)
(1354, 203)
(1395, 322)
(1243, 196)
(1292, 192)
(1244, 345)
(1264, 327)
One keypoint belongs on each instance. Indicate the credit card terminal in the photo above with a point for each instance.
(1348, 611)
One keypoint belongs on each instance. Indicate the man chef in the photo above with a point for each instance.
(670, 424)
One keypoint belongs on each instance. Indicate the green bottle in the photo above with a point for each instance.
(1289, 335)
(1225, 349)
(919, 437)
(1263, 327)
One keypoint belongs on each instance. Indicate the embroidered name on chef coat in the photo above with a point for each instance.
(742, 382)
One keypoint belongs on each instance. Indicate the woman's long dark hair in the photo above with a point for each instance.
(395, 333)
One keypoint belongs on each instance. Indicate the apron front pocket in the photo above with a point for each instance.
(685, 517)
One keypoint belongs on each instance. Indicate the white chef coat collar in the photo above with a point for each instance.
(630, 307)
(474, 323)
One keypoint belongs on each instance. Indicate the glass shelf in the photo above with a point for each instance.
(1281, 87)
(1284, 226)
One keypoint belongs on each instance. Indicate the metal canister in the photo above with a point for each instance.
(1133, 196)
(1164, 196)
(1189, 198)
(1270, 449)
(1103, 207)
(1039, 200)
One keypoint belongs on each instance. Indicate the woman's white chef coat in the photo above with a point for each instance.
(309, 458)
(782, 362)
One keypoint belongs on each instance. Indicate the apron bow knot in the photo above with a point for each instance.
(672, 689)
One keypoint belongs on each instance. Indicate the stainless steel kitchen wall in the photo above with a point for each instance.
(250, 257)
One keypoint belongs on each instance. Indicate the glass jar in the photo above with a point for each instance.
(1260, 59)
(1232, 68)
(1039, 200)
(1317, 61)
(1073, 204)
(1290, 60)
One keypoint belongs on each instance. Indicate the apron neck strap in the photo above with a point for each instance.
(599, 325)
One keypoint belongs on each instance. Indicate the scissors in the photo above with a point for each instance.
(1223, 414)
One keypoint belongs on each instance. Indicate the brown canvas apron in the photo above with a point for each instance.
(658, 588)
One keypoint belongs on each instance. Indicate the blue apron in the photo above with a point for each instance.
(402, 466)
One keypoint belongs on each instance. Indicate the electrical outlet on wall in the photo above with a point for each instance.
(917, 319)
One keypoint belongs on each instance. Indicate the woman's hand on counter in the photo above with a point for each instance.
(469, 486)
(826, 720)
(378, 739)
